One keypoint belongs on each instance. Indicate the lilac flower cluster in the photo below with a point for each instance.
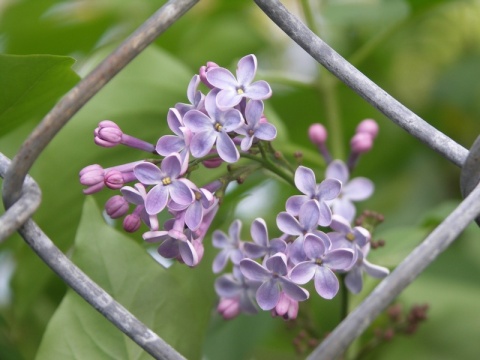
(317, 240)
(212, 128)
(269, 272)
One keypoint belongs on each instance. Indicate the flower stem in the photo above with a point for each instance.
(344, 298)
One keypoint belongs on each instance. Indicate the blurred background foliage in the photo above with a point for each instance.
(425, 53)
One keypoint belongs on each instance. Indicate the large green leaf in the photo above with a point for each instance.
(173, 302)
(31, 85)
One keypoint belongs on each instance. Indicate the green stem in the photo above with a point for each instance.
(326, 83)
(344, 298)
(269, 165)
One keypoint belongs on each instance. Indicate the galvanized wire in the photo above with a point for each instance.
(22, 195)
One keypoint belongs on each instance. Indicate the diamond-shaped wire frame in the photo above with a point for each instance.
(362, 316)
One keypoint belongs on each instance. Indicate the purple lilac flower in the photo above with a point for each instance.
(305, 181)
(254, 128)
(344, 236)
(175, 241)
(232, 246)
(194, 212)
(178, 143)
(321, 262)
(354, 277)
(274, 281)
(166, 184)
(233, 90)
(240, 291)
(261, 245)
(357, 189)
(307, 223)
(213, 129)
(195, 97)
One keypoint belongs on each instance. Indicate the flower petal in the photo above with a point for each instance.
(181, 193)
(254, 271)
(259, 232)
(169, 144)
(354, 280)
(202, 143)
(171, 166)
(303, 272)
(268, 295)
(266, 131)
(294, 204)
(326, 283)
(227, 286)
(147, 173)
(309, 215)
(156, 199)
(198, 122)
(340, 259)
(226, 148)
(277, 264)
(288, 224)
(194, 215)
(228, 98)
(220, 261)
(375, 271)
(293, 290)
(259, 90)
(305, 181)
(188, 253)
(358, 189)
(221, 78)
(314, 246)
(246, 69)
(253, 112)
(329, 189)
(337, 170)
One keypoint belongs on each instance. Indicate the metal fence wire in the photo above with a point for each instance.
(22, 196)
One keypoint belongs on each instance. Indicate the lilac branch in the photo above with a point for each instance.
(366, 88)
(80, 282)
(84, 91)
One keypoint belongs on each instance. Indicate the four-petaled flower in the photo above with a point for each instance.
(231, 246)
(233, 90)
(254, 128)
(274, 281)
(213, 129)
(357, 189)
(167, 184)
(321, 261)
(261, 245)
(305, 181)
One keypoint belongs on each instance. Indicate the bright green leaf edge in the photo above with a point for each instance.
(171, 302)
(30, 85)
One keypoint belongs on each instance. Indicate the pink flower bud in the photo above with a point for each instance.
(203, 73)
(131, 223)
(369, 126)
(212, 163)
(114, 179)
(317, 134)
(286, 308)
(93, 177)
(108, 134)
(228, 308)
(361, 142)
(116, 206)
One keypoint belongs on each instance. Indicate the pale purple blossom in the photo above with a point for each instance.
(327, 190)
(195, 211)
(178, 143)
(262, 246)
(167, 184)
(233, 90)
(195, 97)
(240, 291)
(320, 265)
(354, 277)
(231, 245)
(254, 128)
(136, 195)
(344, 236)
(356, 189)
(213, 129)
(274, 281)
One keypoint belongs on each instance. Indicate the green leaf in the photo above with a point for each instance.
(174, 302)
(31, 85)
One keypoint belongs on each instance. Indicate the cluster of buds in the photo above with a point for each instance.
(317, 240)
